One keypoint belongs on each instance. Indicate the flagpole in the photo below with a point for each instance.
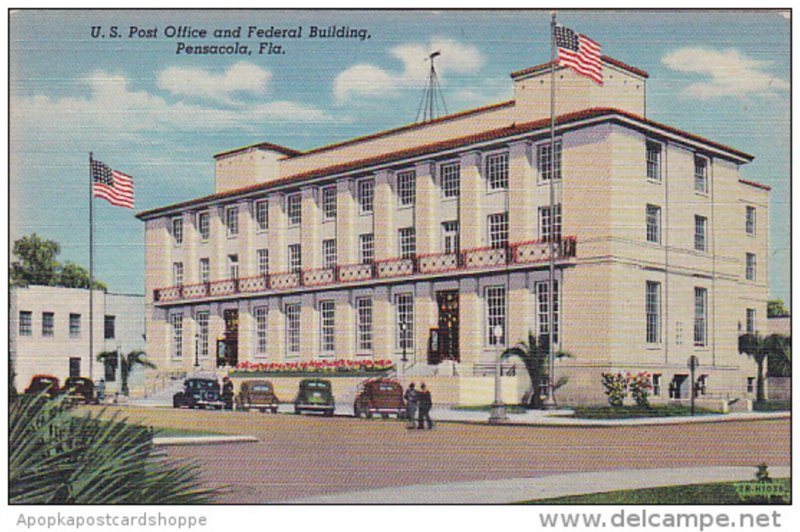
(91, 272)
(550, 400)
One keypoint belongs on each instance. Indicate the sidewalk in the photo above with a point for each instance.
(527, 489)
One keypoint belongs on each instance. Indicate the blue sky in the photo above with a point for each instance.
(160, 116)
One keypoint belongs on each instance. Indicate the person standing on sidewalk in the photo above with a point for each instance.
(425, 405)
(411, 396)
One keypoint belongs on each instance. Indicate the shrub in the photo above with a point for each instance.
(640, 386)
(616, 387)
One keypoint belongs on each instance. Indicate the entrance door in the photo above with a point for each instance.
(75, 367)
(679, 387)
(228, 349)
(447, 301)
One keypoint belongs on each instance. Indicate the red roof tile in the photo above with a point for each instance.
(754, 184)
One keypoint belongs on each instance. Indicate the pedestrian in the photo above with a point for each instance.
(227, 393)
(411, 404)
(101, 390)
(425, 405)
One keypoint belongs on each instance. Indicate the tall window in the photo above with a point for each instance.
(260, 316)
(751, 321)
(367, 248)
(48, 323)
(408, 242)
(294, 209)
(653, 161)
(203, 225)
(404, 324)
(497, 171)
(700, 311)
(495, 297)
(750, 221)
(74, 325)
(700, 174)
(365, 190)
(450, 176)
(653, 312)
(406, 188)
(232, 221)
(329, 203)
(109, 327)
(364, 324)
(498, 230)
(656, 385)
(177, 230)
(750, 267)
(292, 312)
(295, 259)
(25, 323)
(450, 237)
(329, 253)
(327, 326)
(543, 308)
(233, 266)
(549, 226)
(205, 270)
(544, 159)
(262, 215)
(177, 335)
(177, 274)
(654, 224)
(700, 223)
(202, 333)
(262, 256)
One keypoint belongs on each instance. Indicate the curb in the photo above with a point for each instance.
(202, 440)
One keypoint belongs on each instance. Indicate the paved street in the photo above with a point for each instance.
(305, 456)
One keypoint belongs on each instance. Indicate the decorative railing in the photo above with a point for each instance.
(530, 252)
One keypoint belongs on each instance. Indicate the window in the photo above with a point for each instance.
(74, 325)
(653, 312)
(549, 226)
(654, 224)
(751, 382)
(262, 256)
(232, 221)
(450, 177)
(700, 174)
(329, 253)
(497, 171)
(233, 266)
(450, 238)
(177, 273)
(700, 233)
(366, 195)
(406, 188)
(177, 230)
(205, 271)
(25, 323)
(751, 321)
(367, 248)
(404, 325)
(294, 209)
(498, 230)
(543, 309)
(202, 333)
(295, 259)
(495, 314)
(702, 384)
(700, 322)
(109, 327)
(203, 225)
(653, 161)
(329, 203)
(750, 267)
(260, 317)
(364, 325)
(656, 385)
(292, 312)
(750, 221)
(177, 335)
(327, 326)
(262, 215)
(544, 160)
(48, 319)
(408, 242)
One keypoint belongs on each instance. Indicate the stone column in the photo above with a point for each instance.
(382, 323)
(425, 209)
(310, 243)
(518, 317)
(426, 317)
(473, 188)
(219, 237)
(346, 212)
(345, 325)
(309, 328)
(385, 206)
(191, 239)
(275, 331)
(521, 183)
(247, 230)
(470, 332)
(246, 331)
(278, 261)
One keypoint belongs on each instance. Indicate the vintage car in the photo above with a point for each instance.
(40, 383)
(379, 396)
(80, 390)
(314, 395)
(199, 393)
(258, 395)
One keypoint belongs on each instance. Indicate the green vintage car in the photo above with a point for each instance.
(314, 395)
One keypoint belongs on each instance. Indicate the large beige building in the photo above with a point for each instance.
(443, 230)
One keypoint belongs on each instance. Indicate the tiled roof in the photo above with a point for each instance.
(607, 59)
(754, 184)
(261, 145)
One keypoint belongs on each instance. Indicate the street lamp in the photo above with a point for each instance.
(197, 350)
(498, 414)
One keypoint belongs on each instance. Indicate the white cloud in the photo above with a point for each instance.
(727, 72)
(242, 77)
(371, 81)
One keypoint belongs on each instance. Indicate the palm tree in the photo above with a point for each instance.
(779, 360)
(534, 354)
(758, 348)
(127, 364)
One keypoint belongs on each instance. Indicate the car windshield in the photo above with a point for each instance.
(262, 388)
(387, 387)
(317, 385)
(202, 384)
(44, 381)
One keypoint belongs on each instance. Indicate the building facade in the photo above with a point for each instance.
(421, 240)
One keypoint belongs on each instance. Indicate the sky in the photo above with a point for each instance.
(157, 113)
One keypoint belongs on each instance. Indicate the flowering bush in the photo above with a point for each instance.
(315, 366)
(640, 386)
(616, 387)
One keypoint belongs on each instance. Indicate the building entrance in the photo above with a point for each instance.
(679, 387)
(228, 345)
(444, 338)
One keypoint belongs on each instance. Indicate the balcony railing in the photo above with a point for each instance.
(471, 259)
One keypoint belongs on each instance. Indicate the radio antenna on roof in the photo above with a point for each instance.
(432, 102)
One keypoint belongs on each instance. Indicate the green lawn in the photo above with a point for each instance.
(772, 406)
(625, 412)
(714, 493)
(510, 409)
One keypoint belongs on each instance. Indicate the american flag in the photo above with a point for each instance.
(111, 185)
(579, 53)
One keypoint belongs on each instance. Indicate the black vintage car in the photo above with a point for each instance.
(80, 390)
(40, 383)
(314, 395)
(199, 393)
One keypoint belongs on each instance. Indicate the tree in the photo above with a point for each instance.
(73, 275)
(779, 359)
(127, 363)
(758, 348)
(776, 309)
(37, 262)
(534, 354)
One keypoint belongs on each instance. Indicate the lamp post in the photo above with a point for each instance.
(498, 414)
(693, 362)
(197, 350)
(403, 330)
